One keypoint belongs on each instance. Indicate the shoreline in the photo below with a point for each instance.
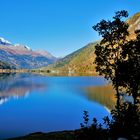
(56, 135)
(45, 73)
(13, 71)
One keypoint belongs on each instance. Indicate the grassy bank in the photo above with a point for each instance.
(60, 135)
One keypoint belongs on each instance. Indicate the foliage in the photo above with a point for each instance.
(118, 59)
(127, 123)
(108, 52)
(89, 132)
(130, 67)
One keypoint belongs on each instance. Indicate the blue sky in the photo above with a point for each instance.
(58, 26)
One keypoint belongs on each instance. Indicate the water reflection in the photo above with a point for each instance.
(53, 103)
(18, 86)
(104, 95)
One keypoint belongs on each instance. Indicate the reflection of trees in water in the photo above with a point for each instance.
(103, 95)
(17, 85)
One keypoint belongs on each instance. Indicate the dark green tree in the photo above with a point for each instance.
(130, 67)
(108, 53)
(118, 59)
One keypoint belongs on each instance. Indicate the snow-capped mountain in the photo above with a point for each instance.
(22, 56)
(23, 46)
(4, 41)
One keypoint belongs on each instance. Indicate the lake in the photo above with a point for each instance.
(33, 103)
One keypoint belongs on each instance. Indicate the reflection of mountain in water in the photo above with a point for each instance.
(104, 95)
(17, 85)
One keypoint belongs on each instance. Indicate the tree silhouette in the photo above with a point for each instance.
(118, 59)
(108, 52)
(130, 67)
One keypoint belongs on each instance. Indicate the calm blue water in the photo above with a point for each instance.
(33, 103)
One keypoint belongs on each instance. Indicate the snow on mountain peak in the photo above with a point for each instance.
(27, 47)
(23, 46)
(4, 41)
(17, 45)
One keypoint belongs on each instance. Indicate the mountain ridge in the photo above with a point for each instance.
(23, 57)
(81, 61)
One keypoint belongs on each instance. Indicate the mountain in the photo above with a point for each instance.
(81, 61)
(21, 56)
(4, 65)
(46, 54)
(134, 24)
(4, 42)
